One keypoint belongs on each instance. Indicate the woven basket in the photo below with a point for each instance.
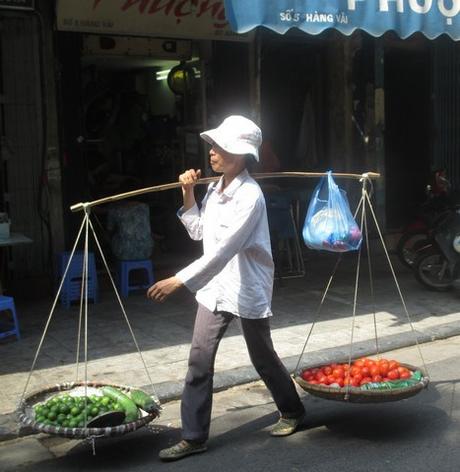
(26, 414)
(356, 395)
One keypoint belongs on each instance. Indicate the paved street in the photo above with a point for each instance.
(421, 433)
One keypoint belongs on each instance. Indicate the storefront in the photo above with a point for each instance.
(378, 82)
(138, 81)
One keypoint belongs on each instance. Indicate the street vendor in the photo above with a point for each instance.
(232, 279)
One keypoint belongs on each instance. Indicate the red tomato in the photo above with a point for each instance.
(366, 380)
(331, 379)
(327, 370)
(383, 361)
(306, 374)
(393, 365)
(338, 372)
(377, 378)
(365, 371)
(405, 375)
(340, 382)
(315, 371)
(355, 382)
(318, 375)
(355, 371)
(322, 379)
(402, 369)
(384, 367)
(393, 374)
(374, 370)
(347, 381)
(369, 363)
(359, 363)
(358, 377)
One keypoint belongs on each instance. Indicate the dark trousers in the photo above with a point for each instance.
(209, 329)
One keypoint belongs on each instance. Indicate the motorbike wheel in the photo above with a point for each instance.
(431, 269)
(410, 245)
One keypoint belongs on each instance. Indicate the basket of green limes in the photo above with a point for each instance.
(81, 410)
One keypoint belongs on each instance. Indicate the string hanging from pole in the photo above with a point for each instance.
(363, 205)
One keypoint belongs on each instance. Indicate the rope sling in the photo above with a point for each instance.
(87, 227)
(346, 393)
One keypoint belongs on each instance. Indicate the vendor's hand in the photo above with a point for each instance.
(189, 178)
(164, 288)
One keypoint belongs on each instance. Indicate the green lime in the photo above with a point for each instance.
(40, 419)
(94, 411)
(65, 423)
(61, 418)
(105, 401)
(74, 411)
(73, 423)
(64, 408)
(39, 409)
(54, 408)
(45, 411)
(52, 415)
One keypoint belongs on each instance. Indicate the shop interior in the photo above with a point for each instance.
(135, 124)
(131, 119)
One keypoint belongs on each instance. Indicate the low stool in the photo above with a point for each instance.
(71, 288)
(124, 275)
(7, 304)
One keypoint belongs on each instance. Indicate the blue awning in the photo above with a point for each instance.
(405, 17)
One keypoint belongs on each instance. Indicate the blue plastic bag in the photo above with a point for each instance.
(329, 223)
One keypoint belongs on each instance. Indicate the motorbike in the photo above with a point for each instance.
(437, 265)
(431, 213)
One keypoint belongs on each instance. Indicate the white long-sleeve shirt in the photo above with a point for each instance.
(235, 272)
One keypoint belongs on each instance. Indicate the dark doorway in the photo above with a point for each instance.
(407, 129)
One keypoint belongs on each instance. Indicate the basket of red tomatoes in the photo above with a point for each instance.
(363, 380)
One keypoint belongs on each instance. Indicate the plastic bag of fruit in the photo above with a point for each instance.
(329, 224)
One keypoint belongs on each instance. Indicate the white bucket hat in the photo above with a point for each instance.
(237, 135)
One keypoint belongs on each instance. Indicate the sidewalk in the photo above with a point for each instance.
(164, 331)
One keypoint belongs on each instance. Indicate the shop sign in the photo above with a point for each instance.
(193, 19)
(17, 4)
(405, 17)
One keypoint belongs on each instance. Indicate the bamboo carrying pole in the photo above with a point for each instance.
(159, 188)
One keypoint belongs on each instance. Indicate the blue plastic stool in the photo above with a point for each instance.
(7, 303)
(71, 289)
(124, 269)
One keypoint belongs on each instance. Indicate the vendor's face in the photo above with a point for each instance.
(224, 162)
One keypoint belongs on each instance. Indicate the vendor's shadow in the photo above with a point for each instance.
(131, 451)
